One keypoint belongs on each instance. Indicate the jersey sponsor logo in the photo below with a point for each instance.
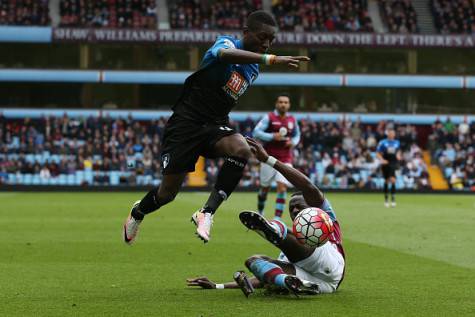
(236, 85)
(276, 123)
(165, 160)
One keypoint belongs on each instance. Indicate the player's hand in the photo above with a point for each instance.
(288, 144)
(257, 150)
(290, 61)
(279, 137)
(385, 162)
(202, 282)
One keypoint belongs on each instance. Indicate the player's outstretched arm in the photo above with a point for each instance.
(312, 194)
(206, 283)
(237, 56)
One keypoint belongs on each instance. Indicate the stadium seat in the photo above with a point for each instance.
(54, 181)
(28, 179)
(36, 179)
(12, 179)
(89, 177)
(148, 179)
(72, 180)
(114, 178)
(448, 171)
(63, 179)
(44, 181)
(79, 177)
(364, 174)
(39, 158)
(30, 158)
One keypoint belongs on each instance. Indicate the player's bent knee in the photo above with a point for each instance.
(251, 259)
(243, 152)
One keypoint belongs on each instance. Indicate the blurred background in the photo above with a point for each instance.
(86, 88)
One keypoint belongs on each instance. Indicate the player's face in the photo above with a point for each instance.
(391, 134)
(296, 205)
(282, 104)
(259, 40)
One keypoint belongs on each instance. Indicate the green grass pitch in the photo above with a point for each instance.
(62, 255)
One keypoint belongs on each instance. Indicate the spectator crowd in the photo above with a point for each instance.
(314, 15)
(454, 16)
(400, 16)
(141, 14)
(105, 151)
(343, 155)
(195, 14)
(450, 16)
(24, 12)
(453, 149)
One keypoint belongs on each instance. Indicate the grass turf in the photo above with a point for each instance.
(62, 255)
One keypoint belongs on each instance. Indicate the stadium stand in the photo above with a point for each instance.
(454, 16)
(105, 151)
(347, 15)
(109, 13)
(229, 14)
(453, 148)
(24, 12)
(400, 16)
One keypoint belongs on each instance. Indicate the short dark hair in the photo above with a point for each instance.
(283, 94)
(259, 17)
(299, 193)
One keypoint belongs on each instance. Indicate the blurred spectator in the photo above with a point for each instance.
(457, 157)
(400, 16)
(314, 15)
(139, 14)
(24, 12)
(454, 16)
(195, 14)
(105, 151)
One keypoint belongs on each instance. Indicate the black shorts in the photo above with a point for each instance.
(388, 170)
(185, 140)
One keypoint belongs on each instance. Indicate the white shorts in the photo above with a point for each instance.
(268, 174)
(324, 267)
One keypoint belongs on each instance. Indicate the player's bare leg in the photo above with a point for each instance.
(152, 201)
(280, 200)
(261, 199)
(236, 152)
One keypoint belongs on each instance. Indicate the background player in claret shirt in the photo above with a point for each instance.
(199, 124)
(299, 268)
(389, 153)
(280, 133)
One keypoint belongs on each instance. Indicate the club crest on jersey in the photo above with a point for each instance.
(236, 85)
(165, 160)
(291, 125)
